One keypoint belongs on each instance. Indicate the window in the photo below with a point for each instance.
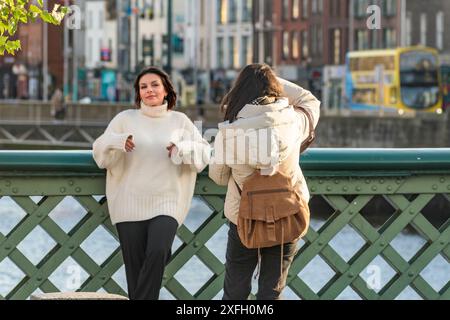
(285, 45)
(255, 10)
(246, 57)
(423, 29)
(220, 62)
(268, 10)
(149, 9)
(90, 21)
(161, 8)
(90, 50)
(314, 43)
(440, 30)
(408, 27)
(100, 20)
(337, 46)
(362, 39)
(99, 52)
(285, 10)
(268, 46)
(374, 39)
(317, 39)
(232, 53)
(389, 38)
(369, 63)
(361, 8)
(295, 9)
(232, 6)
(334, 8)
(246, 10)
(140, 4)
(389, 8)
(295, 45)
(305, 47)
(314, 6)
(305, 9)
(222, 11)
(111, 10)
(202, 12)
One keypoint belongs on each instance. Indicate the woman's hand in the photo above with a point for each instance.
(129, 144)
(172, 149)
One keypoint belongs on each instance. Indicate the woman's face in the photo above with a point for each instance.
(151, 90)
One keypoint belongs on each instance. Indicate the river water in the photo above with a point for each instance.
(68, 276)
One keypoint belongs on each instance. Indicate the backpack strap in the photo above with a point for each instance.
(312, 135)
(239, 189)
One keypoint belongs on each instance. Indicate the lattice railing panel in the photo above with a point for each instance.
(349, 202)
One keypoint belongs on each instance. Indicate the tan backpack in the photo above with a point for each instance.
(271, 211)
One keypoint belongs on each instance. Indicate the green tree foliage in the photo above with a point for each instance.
(14, 12)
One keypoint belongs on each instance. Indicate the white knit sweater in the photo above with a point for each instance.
(146, 183)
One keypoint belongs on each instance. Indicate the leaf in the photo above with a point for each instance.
(32, 16)
(47, 17)
(12, 46)
(13, 12)
(12, 28)
(35, 9)
(22, 15)
(58, 15)
(3, 40)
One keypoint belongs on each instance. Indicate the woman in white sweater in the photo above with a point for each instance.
(152, 155)
(263, 131)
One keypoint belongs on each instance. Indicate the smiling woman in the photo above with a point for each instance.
(152, 155)
(152, 86)
(151, 90)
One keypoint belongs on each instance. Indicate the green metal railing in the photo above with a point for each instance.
(350, 188)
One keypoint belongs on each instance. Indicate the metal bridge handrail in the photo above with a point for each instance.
(317, 160)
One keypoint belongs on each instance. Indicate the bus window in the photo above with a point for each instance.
(365, 96)
(393, 95)
(370, 63)
(419, 79)
(445, 76)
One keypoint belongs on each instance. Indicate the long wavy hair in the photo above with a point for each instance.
(171, 94)
(255, 80)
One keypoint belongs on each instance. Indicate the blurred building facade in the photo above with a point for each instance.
(426, 25)
(219, 42)
(306, 41)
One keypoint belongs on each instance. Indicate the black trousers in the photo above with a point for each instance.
(241, 263)
(146, 249)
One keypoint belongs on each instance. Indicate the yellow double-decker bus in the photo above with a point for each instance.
(402, 79)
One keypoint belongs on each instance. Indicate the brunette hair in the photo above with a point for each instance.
(171, 94)
(255, 80)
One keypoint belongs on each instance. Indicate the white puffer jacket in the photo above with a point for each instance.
(262, 137)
